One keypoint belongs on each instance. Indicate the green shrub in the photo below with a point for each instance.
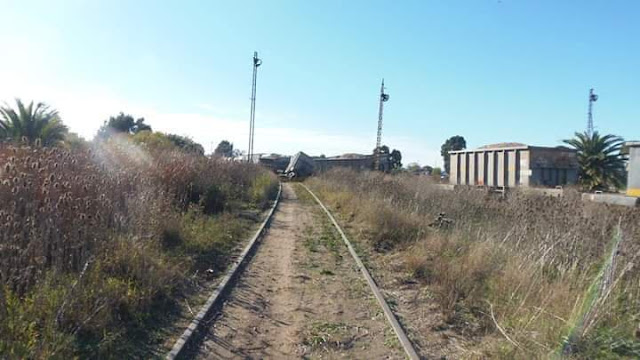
(263, 188)
(97, 243)
(213, 200)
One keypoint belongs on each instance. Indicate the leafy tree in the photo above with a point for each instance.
(74, 141)
(396, 159)
(124, 124)
(436, 174)
(153, 141)
(186, 144)
(158, 140)
(452, 144)
(601, 166)
(413, 167)
(384, 149)
(34, 124)
(395, 156)
(224, 149)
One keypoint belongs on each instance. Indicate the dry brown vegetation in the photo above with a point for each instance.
(98, 243)
(525, 276)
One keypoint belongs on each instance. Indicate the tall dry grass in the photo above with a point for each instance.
(97, 244)
(525, 268)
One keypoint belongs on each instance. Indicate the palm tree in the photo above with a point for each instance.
(601, 166)
(32, 124)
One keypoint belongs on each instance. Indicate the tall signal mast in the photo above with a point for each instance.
(592, 98)
(383, 98)
(256, 63)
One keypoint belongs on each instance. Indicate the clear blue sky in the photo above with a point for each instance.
(491, 71)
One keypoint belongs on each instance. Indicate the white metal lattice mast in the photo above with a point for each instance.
(252, 117)
(383, 98)
(592, 98)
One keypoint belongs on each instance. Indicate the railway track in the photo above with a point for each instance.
(298, 290)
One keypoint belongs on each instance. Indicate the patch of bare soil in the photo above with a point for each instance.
(300, 297)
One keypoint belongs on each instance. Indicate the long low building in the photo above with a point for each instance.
(514, 164)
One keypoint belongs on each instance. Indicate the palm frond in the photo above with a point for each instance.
(600, 163)
(31, 122)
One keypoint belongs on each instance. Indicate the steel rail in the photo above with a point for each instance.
(393, 321)
(216, 296)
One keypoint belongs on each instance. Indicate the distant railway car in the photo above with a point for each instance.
(275, 162)
(300, 165)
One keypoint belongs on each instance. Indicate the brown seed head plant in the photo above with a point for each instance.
(82, 258)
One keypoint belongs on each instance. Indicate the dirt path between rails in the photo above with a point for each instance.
(301, 296)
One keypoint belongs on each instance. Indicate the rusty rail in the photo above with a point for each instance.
(216, 296)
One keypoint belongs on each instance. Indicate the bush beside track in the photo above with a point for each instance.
(99, 244)
(520, 276)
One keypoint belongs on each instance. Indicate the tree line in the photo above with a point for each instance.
(601, 166)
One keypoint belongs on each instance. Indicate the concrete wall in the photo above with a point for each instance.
(472, 175)
(481, 169)
(510, 167)
(501, 168)
(463, 169)
(633, 181)
(491, 169)
(553, 167)
(615, 199)
(453, 169)
(525, 169)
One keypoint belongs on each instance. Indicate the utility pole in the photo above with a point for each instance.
(256, 63)
(592, 98)
(383, 98)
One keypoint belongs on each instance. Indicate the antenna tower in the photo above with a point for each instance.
(256, 63)
(383, 98)
(592, 98)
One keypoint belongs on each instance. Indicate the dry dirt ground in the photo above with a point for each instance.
(414, 304)
(419, 313)
(301, 296)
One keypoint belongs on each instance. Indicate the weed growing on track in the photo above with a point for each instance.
(97, 245)
(517, 269)
(329, 336)
(326, 236)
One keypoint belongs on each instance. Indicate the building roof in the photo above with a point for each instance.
(629, 144)
(512, 146)
(503, 145)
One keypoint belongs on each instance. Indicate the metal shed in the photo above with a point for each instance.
(514, 164)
